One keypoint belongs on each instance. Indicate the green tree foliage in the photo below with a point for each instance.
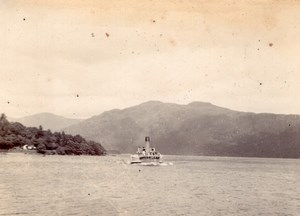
(46, 142)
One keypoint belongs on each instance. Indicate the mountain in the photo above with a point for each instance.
(194, 129)
(47, 120)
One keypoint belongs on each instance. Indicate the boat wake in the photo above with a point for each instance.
(152, 164)
(166, 164)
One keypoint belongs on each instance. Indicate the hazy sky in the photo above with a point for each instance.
(79, 58)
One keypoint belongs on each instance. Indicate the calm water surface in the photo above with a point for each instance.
(193, 185)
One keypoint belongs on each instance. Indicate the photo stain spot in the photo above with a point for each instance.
(172, 42)
(257, 49)
(107, 35)
(77, 95)
(89, 194)
(8, 102)
(260, 83)
(24, 19)
(92, 34)
(270, 44)
(154, 21)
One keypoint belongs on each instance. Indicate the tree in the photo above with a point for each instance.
(3, 117)
(3, 125)
(15, 135)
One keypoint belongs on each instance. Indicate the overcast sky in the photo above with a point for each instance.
(79, 58)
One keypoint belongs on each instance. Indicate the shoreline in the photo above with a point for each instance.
(14, 150)
(34, 152)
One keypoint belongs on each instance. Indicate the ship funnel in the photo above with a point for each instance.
(147, 140)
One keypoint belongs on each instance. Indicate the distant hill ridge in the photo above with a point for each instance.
(47, 120)
(198, 128)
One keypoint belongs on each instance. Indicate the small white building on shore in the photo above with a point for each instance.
(29, 147)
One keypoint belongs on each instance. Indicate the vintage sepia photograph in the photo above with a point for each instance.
(149, 107)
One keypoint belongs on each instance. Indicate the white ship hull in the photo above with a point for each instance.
(145, 160)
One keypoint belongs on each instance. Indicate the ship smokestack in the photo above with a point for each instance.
(147, 140)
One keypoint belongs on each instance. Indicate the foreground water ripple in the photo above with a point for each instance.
(194, 185)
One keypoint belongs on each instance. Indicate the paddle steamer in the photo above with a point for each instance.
(146, 155)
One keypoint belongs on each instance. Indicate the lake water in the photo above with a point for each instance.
(193, 185)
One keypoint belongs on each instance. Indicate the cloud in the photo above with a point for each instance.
(171, 51)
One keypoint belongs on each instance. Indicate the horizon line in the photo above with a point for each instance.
(149, 101)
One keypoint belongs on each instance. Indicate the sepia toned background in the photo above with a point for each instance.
(80, 58)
